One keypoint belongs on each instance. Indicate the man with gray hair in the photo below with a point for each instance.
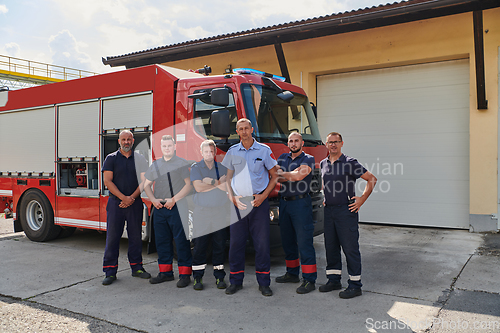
(210, 217)
(251, 176)
(339, 173)
(123, 173)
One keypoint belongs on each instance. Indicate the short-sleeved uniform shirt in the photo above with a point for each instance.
(251, 175)
(288, 164)
(339, 179)
(215, 197)
(158, 173)
(126, 171)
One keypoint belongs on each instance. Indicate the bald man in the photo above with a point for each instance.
(296, 215)
(123, 172)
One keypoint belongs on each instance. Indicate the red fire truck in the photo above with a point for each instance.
(54, 138)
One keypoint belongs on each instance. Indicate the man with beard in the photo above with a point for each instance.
(170, 174)
(296, 215)
(122, 172)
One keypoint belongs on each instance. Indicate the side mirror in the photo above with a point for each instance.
(221, 124)
(220, 97)
(285, 96)
(4, 96)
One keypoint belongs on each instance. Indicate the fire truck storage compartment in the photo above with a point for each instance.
(78, 148)
(28, 141)
(78, 130)
(127, 112)
(78, 178)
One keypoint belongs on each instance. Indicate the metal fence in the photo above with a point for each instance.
(36, 69)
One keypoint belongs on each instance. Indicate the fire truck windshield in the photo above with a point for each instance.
(274, 119)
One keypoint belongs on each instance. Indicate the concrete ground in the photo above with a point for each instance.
(415, 280)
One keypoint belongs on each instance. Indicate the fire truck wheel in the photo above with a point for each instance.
(37, 217)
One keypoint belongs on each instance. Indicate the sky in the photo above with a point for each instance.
(78, 33)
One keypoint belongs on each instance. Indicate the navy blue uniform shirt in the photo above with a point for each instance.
(215, 197)
(303, 186)
(158, 173)
(126, 171)
(339, 179)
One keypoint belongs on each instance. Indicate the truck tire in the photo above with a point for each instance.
(37, 217)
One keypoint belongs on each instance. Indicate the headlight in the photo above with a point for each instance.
(274, 213)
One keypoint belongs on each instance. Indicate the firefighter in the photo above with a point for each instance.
(170, 174)
(339, 173)
(296, 216)
(210, 217)
(123, 174)
(250, 163)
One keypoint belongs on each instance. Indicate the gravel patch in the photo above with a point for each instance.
(25, 317)
(18, 316)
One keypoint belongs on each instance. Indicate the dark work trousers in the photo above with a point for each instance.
(206, 219)
(168, 227)
(256, 223)
(115, 222)
(341, 231)
(297, 232)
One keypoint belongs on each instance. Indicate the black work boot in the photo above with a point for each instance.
(141, 273)
(108, 280)
(266, 290)
(350, 293)
(287, 278)
(198, 284)
(161, 277)
(184, 281)
(306, 287)
(330, 286)
(233, 289)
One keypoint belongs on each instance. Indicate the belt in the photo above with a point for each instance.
(251, 197)
(332, 205)
(294, 197)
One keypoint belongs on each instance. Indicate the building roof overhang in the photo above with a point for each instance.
(362, 19)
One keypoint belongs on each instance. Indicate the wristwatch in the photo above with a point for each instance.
(213, 182)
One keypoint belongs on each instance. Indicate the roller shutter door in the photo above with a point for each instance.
(127, 112)
(79, 130)
(28, 139)
(409, 126)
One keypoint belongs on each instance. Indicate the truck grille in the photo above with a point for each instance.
(316, 181)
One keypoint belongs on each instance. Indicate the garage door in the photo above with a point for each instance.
(409, 126)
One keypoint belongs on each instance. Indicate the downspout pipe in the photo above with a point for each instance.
(482, 103)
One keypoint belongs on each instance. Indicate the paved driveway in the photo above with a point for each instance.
(412, 278)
